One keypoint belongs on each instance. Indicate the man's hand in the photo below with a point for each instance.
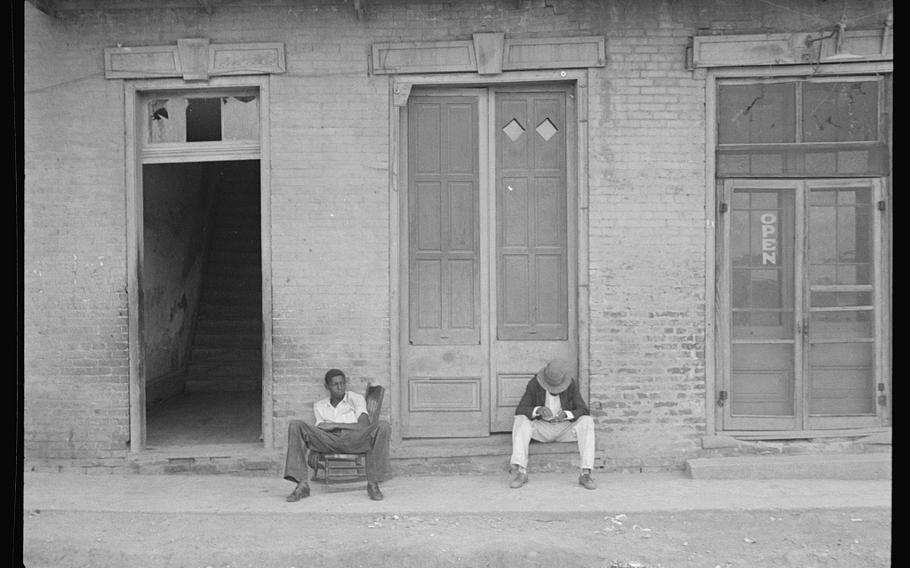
(545, 414)
(561, 417)
(332, 426)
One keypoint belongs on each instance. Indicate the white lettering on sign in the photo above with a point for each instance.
(768, 238)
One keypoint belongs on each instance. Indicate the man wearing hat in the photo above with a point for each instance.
(552, 410)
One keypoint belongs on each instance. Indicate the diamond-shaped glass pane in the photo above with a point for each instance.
(513, 130)
(546, 129)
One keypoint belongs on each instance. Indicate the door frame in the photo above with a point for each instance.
(133, 91)
(714, 336)
(576, 175)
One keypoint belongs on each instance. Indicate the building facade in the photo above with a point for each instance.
(690, 201)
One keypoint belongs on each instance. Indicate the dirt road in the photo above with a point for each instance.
(830, 538)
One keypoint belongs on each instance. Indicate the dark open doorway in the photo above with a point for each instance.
(202, 303)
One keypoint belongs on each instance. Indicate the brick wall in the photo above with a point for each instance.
(329, 203)
(75, 329)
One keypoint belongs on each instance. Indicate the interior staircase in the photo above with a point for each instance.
(226, 354)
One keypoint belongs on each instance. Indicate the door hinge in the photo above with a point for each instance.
(721, 398)
(882, 398)
(881, 205)
(723, 207)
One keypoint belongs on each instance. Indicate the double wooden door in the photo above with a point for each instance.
(488, 224)
(802, 304)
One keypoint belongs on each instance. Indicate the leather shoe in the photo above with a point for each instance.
(585, 481)
(373, 491)
(302, 490)
(518, 479)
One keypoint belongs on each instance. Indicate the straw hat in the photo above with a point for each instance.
(556, 376)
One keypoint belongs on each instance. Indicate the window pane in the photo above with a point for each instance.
(240, 117)
(840, 112)
(756, 114)
(840, 237)
(766, 289)
(762, 286)
(167, 120)
(203, 120)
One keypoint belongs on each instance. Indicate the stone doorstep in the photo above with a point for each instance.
(253, 461)
(856, 466)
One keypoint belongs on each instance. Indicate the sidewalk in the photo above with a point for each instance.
(461, 494)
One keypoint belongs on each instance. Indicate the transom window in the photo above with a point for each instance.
(200, 124)
(807, 127)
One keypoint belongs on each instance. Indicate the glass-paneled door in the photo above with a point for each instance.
(800, 290)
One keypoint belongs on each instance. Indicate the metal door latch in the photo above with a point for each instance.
(722, 398)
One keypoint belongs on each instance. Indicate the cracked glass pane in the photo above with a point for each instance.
(167, 120)
(840, 112)
(240, 117)
(757, 114)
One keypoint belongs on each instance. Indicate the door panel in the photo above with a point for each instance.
(803, 328)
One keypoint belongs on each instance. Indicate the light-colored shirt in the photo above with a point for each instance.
(552, 402)
(348, 410)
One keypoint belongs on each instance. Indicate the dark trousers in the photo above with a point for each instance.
(373, 440)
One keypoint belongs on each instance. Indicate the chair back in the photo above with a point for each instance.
(374, 396)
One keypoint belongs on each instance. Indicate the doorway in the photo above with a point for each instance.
(197, 256)
(488, 253)
(202, 303)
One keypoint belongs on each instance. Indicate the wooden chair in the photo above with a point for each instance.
(347, 468)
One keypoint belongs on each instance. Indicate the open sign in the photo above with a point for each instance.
(768, 238)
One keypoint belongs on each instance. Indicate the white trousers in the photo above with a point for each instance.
(523, 430)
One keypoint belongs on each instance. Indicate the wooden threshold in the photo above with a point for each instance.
(803, 434)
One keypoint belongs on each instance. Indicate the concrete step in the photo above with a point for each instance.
(233, 459)
(871, 465)
(255, 461)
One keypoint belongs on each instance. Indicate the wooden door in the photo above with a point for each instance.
(801, 295)
(444, 377)
(532, 276)
(486, 291)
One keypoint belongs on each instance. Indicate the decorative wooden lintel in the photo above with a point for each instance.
(194, 59)
(791, 48)
(489, 53)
